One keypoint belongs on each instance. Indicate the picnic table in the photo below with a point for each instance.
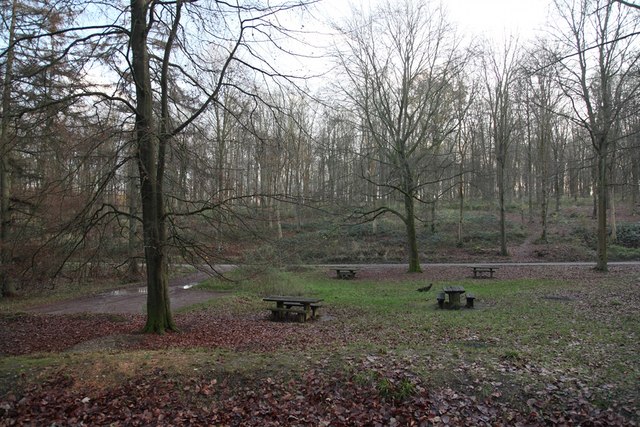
(479, 270)
(304, 308)
(346, 273)
(454, 293)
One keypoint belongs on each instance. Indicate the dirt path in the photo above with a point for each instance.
(132, 300)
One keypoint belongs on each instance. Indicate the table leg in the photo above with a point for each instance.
(454, 300)
(281, 315)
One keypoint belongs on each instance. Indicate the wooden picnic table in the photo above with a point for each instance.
(346, 273)
(303, 307)
(454, 293)
(480, 269)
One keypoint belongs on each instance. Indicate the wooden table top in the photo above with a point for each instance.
(286, 298)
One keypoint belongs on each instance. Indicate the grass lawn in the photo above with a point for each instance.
(534, 350)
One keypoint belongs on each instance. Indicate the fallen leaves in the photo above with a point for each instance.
(29, 333)
(26, 334)
(313, 399)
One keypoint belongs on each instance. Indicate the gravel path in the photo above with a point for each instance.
(133, 299)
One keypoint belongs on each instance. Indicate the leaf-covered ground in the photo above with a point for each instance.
(377, 364)
(388, 395)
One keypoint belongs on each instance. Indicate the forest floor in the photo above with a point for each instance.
(231, 365)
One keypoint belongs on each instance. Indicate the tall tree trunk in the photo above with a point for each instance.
(159, 316)
(501, 191)
(602, 209)
(544, 208)
(529, 170)
(412, 240)
(461, 202)
(410, 219)
(635, 180)
(611, 201)
(558, 190)
(279, 220)
(433, 214)
(133, 271)
(7, 285)
(612, 216)
(544, 193)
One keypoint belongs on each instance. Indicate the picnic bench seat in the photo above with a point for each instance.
(313, 307)
(282, 313)
(346, 273)
(479, 270)
(440, 299)
(470, 298)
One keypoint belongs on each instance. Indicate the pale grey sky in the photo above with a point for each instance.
(491, 18)
(497, 18)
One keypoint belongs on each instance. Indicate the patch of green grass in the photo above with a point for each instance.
(622, 253)
(257, 282)
(523, 334)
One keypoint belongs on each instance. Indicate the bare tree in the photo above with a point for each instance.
(463, 140)
(166, 70)
(501, 72)
(544, 116)
(399, 64)
(155, 131)
(599, 82)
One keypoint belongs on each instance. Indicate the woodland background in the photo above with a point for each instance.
(469, 145)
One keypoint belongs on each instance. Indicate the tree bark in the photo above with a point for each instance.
(7, 285)
(460, 202)
(501, 191)
(602, 261)
(159, 316)
(543, 161)
(133, 271)
(412, 240)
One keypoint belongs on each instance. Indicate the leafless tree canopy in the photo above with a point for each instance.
(137, 135)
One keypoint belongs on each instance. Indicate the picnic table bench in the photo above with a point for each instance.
(346, 273)
(302, 308)
(454, 293)
(479, 270)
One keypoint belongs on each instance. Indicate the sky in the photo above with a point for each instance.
(499, 18)
(495, 20)
(491, 18)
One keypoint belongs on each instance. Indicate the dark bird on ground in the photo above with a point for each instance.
(425, 288)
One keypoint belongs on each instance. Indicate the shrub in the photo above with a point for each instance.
(628, 235)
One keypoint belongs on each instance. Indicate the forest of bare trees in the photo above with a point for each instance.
(142, 133)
